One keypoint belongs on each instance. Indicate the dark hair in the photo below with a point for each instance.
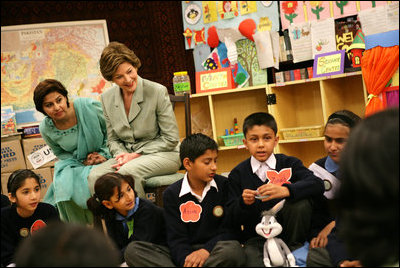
(196, 145)
(46, 87)
(368, 198)
(18, 177)
(62, 244)
(113, 56)
(259, 119)
(344, 117)
(104, 189)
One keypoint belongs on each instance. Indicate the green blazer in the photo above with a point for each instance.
(151, 125)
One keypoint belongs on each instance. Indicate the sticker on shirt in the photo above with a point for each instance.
(38, 224)
(24, 232)
(280, 177)
(218, 211)
(190, 211)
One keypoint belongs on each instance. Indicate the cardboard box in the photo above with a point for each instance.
(12, 156)
(31, 145)
(4, 180)
(45, 179)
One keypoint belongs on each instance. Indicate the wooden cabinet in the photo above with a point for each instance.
(301, 103)
(306, 103)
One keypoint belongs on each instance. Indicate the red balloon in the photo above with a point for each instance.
(248, 28)
(212, 38)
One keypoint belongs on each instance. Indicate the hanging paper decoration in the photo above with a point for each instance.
(228, 9)
(344, 8)
(356, 49)
(212, 39)
(265, 24)
(292, 12)
(192, 13)
(209, 11)
(248, 28)
(289, 9)
(188, 34)
(199, 37)
(247, 7)
(317, 10)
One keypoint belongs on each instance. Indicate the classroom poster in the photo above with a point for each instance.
(317, 10)
(323, 36)
(291, 12)
(300, 39)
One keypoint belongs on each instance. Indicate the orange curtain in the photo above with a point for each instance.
(378, 66)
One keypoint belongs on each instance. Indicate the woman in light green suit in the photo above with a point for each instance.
(143, 135)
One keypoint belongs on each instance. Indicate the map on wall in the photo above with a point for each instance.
(65, 51)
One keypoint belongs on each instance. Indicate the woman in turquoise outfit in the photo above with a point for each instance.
(76, 132)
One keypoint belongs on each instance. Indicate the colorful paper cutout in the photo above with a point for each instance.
(344, 8)
(280, 177)
(190, 211)
(265, 24)
(291, 12)
(212, 39)
(192, 13)
(247, 7)
(247, 57)
(209, 11)
(188, 34)
(317, 10)
(199, 37)
(240, 75)
(247, 28)
(228, 9)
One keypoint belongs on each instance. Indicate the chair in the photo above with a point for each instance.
(156, 185)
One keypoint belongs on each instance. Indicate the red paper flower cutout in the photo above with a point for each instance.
(280, 177)
(190, 211)
(289, 7)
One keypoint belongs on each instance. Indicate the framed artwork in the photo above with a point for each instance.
(330, 63)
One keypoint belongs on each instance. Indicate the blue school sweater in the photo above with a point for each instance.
(190, 222)
(148, 226)
(304, 184)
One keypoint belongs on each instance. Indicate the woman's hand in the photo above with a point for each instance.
(124, 158)
(94, 159)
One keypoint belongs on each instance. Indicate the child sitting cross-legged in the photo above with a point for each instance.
(134, 224)
(197, 220)
(264, 179)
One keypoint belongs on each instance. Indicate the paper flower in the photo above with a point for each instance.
(190, 211)
(280, 177)
(318, 8)
(289, 7)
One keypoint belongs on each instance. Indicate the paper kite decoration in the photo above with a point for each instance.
(188, 34)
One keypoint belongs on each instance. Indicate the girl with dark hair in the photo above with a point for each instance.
(26, 215)
(135, 225)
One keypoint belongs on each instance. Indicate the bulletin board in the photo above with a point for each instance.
(66, 51)
(198, 16)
